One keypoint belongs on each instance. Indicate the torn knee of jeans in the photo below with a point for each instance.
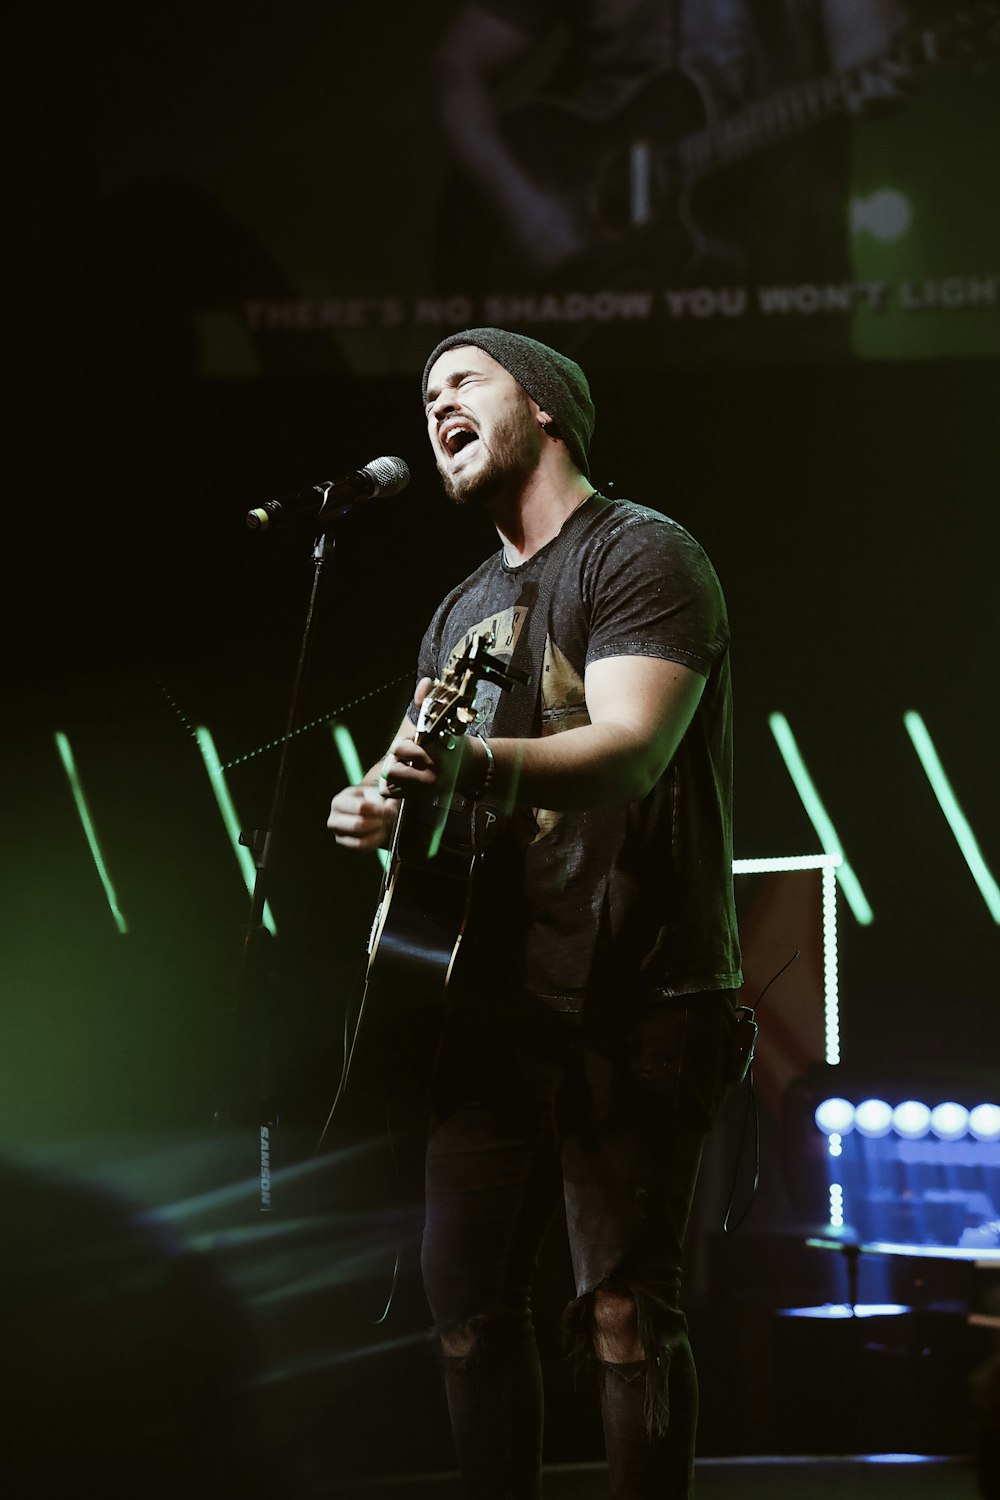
(459, 1344)
(660, 1327)
(629, 1308)
(615, 1318)
(464, 1344)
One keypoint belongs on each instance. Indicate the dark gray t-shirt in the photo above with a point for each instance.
(634, 899)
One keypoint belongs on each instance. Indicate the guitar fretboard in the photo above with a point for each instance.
(793, 109)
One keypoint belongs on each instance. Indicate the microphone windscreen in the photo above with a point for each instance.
(390, 475)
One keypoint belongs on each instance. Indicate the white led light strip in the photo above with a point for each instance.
(831, 994)
(828, 863)
(786, 862)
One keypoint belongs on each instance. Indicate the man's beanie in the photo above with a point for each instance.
(555, 382)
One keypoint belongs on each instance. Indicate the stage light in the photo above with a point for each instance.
(911, 1119)
(835, 1116)
(886, 214)
(873, 1118)
(984, 1122)
(819, 817)
(836, 1206)
(831, 997)
(950, 1121)
(836, 1311)
(957, 821)
(217, 778)
(351, 761)
(900, 1458)
(90, 831)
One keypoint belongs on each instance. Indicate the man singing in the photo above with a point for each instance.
(592, 1031)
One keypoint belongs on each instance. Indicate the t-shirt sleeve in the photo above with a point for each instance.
(653, 592)
(429, 655)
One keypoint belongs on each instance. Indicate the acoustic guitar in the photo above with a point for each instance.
(394, 1031)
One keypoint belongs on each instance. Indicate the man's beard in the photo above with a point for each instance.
(513, 453)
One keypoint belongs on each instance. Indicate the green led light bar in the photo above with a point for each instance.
(820, 819)
(69, 765)
(957, 821)
(351, 760)
(348, 752)
(217, 777)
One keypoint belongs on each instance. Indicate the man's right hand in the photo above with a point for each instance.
(362, 818)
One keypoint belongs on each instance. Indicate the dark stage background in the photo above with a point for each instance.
(221, 285)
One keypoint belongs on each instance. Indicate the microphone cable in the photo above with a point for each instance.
(352, 1022)
(747, 1020)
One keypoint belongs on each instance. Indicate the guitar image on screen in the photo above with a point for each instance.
(630, 184)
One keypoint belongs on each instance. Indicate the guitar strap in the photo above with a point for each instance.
(517, 710)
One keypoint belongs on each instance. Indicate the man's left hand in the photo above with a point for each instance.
(449, 763)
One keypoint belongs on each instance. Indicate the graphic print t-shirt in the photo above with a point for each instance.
(633, 899)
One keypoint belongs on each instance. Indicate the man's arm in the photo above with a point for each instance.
(639, 709)
(479, 46)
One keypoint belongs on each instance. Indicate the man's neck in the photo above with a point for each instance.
(528, 519)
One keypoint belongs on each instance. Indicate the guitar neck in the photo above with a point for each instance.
(798, 107)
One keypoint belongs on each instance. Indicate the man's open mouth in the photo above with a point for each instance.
(454, 439)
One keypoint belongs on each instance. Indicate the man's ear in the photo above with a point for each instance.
(544, 420)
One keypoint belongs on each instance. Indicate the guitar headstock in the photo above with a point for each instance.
(449, 707)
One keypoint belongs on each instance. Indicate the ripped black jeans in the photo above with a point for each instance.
(530, 1105)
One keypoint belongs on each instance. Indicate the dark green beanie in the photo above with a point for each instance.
(555, 382)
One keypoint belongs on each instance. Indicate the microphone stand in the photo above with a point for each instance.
(252, 998)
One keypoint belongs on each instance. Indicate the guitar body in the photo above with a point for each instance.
(415, 938)
(620, 179)
(394, 1031)
(637, 216)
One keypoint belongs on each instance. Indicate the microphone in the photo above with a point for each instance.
(334, 498)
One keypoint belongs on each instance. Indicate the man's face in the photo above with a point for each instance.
(483, 428)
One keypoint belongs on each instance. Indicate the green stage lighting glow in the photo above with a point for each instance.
(217, 777)
(820, 819)
(957, 821)
(69, 765)
(311, 1364)
(348, 752)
